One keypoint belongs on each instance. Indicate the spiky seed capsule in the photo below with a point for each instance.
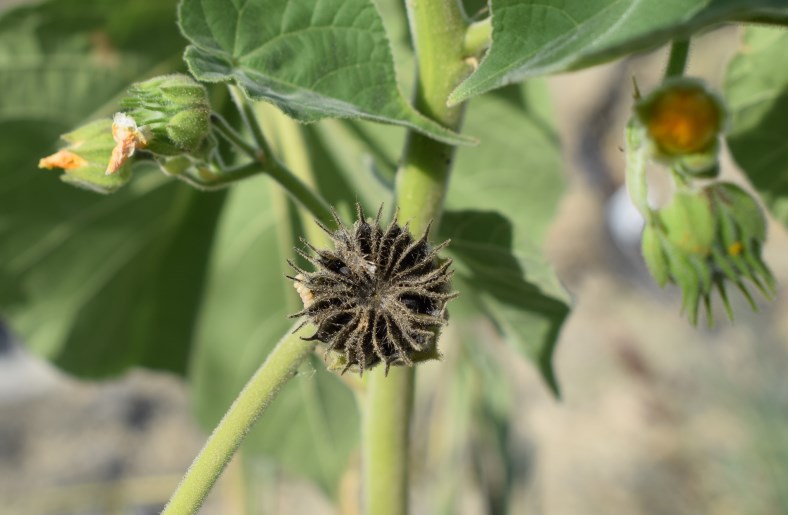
(379, 297)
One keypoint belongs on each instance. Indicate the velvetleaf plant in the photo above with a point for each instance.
(169, 275)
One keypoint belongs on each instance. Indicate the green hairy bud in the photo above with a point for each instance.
(175, 111)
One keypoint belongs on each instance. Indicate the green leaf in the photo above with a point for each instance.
(312, 425)
(503, 196)
(756, 88)
(311, 58)
(94, 283)
(533, 37)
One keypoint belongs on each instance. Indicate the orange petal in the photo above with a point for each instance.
(120, 154)
(64, 159)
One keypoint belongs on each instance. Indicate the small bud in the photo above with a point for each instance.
(85, 157)
(683, 120)
(174, 109)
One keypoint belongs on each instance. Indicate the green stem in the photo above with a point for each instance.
(301, 193)
(677, 60)
(227, 132)
(209, 180)
(278, 368)
(478, 37)
(246, 111)
(438, 28)
(287, 139)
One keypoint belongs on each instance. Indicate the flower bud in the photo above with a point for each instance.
(682, 121)
(85, 157)
(702, 238)
(174, 109)
(741, 234)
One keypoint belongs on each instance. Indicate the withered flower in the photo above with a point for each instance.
(379, 297)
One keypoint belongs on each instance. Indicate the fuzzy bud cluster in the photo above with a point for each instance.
(174, 109)
(167, 117)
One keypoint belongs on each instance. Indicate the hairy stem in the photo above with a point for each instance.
(288, 140)
(210, 180)
(438, 28)
(246, 110)
(677, 60)
(262, 388)
(305, 196)
(227, 132)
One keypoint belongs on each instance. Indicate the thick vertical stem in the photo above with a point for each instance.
(438, 29)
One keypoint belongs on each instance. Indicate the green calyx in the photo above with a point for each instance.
(174, 109)
(84, 159)
(704, 238)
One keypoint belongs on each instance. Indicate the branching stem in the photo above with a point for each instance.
(230, 134)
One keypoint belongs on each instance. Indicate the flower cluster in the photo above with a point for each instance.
(707, 234)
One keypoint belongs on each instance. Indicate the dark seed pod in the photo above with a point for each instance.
(379, 297)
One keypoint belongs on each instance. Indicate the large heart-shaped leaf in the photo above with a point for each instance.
(312, 58)
(94, 283)
(533, 37)
(756, 89)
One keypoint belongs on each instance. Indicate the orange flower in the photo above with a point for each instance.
(684, 119)
(64, 159)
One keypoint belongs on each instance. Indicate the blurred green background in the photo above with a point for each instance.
(656, 417)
